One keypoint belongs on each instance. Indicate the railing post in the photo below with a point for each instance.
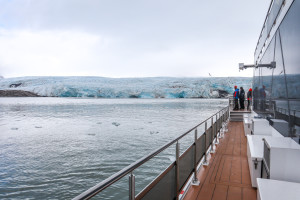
(177, 170)
(219, 121)
(228, 114)
(218, 126)
(222, 128)
(223, 116)
(131, 187)
(212, 135)
(228, 101)
(195, 180)
(205, 163)
(221, 125)
(226, 120)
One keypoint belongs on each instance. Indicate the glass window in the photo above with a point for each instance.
(262, 83)
(290, 40)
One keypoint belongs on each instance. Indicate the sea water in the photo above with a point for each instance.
(56, 148)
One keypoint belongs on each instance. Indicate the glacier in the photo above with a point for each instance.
(101, 87)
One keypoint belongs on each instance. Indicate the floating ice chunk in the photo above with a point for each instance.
(171, 158)
(116, 124)
(214, 94)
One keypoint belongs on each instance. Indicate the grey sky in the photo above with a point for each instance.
(126, 38)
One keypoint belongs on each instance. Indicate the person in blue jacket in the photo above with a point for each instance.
(236, 98)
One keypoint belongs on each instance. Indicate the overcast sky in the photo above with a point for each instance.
(129, 38)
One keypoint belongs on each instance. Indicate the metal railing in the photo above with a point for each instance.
(179, 170)
(285, 111)
(292, 117)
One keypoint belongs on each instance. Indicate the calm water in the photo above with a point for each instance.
(56, 148)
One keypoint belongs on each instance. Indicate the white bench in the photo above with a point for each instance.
(281, 159)
(277, 190)
(262, 127)
(255, 152)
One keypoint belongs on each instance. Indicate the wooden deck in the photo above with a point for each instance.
(227, 176)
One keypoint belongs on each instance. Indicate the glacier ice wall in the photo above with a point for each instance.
(100, 87)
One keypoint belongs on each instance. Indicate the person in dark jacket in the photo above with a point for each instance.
(242, 97)
(249, 98)
(255, 98)
(236, 98)
(262, 95)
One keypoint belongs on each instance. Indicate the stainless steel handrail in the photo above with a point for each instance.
(117, 176)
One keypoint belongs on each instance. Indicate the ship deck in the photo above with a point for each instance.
(227, 176)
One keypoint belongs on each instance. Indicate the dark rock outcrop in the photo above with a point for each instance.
(17, 93)
(14, 85)
(223, 93)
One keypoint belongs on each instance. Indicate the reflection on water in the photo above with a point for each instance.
(55, 148)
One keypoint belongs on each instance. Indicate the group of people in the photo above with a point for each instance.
(239, 98)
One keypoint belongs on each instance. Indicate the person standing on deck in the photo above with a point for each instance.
(236, 98)
(256, 98)
(262, 95)
(249, 98)
(242, 98)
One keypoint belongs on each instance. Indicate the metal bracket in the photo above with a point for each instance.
(272, 65)
(255, 163)
(212, 151)
(195, 182)
(205, 163)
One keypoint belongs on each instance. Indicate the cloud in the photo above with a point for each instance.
(63, 52)
(128, 38)
(47, 52)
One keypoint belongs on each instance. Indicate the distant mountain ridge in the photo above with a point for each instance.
(101, 87)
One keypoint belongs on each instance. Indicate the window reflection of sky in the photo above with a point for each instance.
(282, 86)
